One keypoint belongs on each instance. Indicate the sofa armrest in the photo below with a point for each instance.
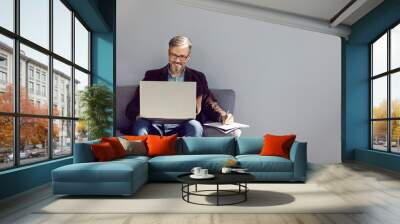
(83, 152)
(298, 155)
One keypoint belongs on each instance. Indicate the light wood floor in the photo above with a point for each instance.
(378, 188)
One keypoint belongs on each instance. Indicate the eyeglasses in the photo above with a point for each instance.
(180, 57)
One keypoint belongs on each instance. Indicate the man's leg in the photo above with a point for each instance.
(144, 126)
(191, 128)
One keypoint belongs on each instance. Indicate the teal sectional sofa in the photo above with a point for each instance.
(125, 176)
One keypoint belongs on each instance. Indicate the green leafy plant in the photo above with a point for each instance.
(96, 102)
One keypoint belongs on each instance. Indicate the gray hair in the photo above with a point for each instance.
(179, 41)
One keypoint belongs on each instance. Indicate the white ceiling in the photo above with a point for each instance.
(313, 15)
(318, 9)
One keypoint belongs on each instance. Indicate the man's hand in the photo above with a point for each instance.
(227, 118)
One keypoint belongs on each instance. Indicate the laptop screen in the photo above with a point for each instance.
(161, 100)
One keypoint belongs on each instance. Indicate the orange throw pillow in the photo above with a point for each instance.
(161, 145)
(116, 145)
(103, 151)
(277, 145)
(135, 138)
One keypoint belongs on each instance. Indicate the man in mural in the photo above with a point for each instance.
(207, 108)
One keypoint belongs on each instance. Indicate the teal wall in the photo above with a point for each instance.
(99, 16)
(24, 178)
(103, 52)
(356, 87)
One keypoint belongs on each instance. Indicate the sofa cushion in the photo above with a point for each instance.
(257, 163)
(161, 145)
(209, 145)
(185, 163)
(275, 145)
(111, 171)
(103, 152)
(134, 147)
(116, 145)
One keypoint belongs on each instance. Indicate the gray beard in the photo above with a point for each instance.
(177, 71)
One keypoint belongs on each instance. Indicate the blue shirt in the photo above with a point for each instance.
(180, 78)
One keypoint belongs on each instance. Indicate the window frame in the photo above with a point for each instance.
(388, 74)
(16, 114)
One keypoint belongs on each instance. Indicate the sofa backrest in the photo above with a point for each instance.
(83, 152)
(206, 145)
(194, 146)
(249, 145)
(253, 145)
(225, 98)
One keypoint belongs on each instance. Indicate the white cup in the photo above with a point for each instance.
(196, 171)
(203, 172)
(226, 170)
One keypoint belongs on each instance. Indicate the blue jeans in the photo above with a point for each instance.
(191, 128)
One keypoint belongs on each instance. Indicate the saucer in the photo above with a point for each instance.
(208, 176)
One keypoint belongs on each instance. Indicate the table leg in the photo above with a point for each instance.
(245, 193)
(196, 188)
(217, 194)
(188, 190)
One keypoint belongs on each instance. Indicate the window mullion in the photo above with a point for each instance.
(73, 82)
(371, 99)
(389, 104)
(16, 85)
(50, 81)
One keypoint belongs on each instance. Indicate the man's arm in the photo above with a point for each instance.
(133, 107)
(212, 109)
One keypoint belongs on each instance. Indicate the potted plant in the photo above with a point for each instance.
(96, 102)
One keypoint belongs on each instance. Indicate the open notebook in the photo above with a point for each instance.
(226, 128)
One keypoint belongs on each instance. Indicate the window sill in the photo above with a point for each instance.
(26, 167)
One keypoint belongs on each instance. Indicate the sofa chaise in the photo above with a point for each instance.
(125, 176)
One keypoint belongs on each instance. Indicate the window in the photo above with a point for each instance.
(45, 131)
(3, 78)
(30, 87)
(62, 140)
(3, 61)
(44, 91)
(6, 73)
(38, 89)
(35, 21)
(62, 29)
(7, 14)
(30, 72)
(385, 91)
(81, 45)
(37, 74)
(6, 142)
(81, 81)
(3, 72)
(62, 74)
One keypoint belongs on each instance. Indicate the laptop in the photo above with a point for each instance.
(167, 101)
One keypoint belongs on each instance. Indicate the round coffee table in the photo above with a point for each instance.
(238, 179)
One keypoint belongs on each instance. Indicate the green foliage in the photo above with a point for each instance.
(380, 127)
(96, 102)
